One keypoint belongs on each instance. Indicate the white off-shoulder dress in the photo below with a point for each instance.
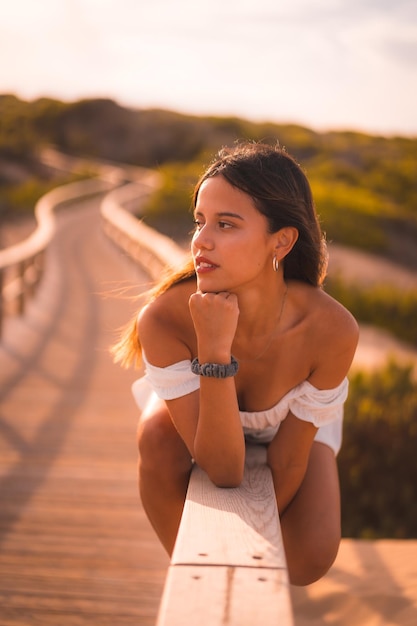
(321, 407)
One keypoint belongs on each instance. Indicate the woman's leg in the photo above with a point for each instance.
(311, 523)
(164, 470)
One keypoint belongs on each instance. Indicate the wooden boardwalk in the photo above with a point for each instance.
(75, 545)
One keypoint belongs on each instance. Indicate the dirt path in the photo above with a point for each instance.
(368, 269)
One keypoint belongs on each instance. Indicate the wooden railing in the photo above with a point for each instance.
(143, 244)
(228, 566)
(21, 265)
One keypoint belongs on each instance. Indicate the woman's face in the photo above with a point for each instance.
(231, 246)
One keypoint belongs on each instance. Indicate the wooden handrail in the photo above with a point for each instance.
(228, 566)
(25, 259)
(44, 214)
(143, 244)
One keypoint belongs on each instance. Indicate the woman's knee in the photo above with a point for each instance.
(311, 525)
(159, 443)
(312, 561)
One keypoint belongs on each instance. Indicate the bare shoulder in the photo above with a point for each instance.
(333, 336)
(322, 311)
(165, 328)
(336, 319)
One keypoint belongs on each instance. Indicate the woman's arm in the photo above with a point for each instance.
(208, 420)
(219, 444)
(287, 456)
(209, 423)
(288, 453)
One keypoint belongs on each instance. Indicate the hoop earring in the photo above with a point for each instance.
(275, 264)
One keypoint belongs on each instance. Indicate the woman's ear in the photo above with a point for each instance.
(285, 240)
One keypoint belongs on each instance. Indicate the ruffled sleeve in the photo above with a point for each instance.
(173, 381)
(318, 406)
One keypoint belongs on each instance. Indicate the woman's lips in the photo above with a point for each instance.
(203, 265)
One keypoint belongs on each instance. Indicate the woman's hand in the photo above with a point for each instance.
(215, 317)
(216, 441)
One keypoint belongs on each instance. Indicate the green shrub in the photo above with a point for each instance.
(381, 305)
(365, 186)
(22, 197)
(351, 214)
(377, 463)
(169, 209)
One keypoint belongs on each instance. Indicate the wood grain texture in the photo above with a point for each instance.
(238, 527)
(232, 596)
(228, 566)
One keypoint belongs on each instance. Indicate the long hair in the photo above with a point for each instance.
(281, 192)
(127, 351)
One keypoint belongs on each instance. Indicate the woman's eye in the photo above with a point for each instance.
(198, 225)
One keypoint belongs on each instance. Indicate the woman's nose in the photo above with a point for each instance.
(202, 239)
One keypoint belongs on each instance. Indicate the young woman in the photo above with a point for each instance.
(244, 344)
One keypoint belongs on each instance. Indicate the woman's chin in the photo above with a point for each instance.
(205, 285)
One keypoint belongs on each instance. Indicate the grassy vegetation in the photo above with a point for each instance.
(24, 129)
(368, 202)
(378, 472)
(365, 186)
(21, 198)
(382, 305)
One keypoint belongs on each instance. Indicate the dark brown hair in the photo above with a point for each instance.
(281, 192)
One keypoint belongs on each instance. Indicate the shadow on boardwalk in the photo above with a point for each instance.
(75, 546)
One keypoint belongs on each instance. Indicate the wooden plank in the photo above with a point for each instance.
(240, 596)
(228, 565)
(247, 516)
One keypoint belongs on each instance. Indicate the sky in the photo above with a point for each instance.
(325, 64)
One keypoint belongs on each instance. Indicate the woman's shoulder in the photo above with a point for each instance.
(164, 324)
(337, 318)
(167, 305)
(332, 333)
(323, 311)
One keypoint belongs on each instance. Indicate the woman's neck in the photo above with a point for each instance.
(261, 315)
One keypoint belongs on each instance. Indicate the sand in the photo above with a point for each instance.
(372, 583)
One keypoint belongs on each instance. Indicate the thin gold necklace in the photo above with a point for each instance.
(271, 338)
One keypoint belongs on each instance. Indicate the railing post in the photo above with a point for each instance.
(1, 301)
(21, 296)
(25, 258)
(38, 263)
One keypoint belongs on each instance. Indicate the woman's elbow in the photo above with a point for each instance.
(222, 476)
(224, 466)
(226, 482)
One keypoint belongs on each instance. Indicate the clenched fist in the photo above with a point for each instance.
(215, 317)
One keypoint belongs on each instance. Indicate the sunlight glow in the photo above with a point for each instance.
(334, 63)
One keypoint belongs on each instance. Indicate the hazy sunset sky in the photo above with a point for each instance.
(322, 63)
